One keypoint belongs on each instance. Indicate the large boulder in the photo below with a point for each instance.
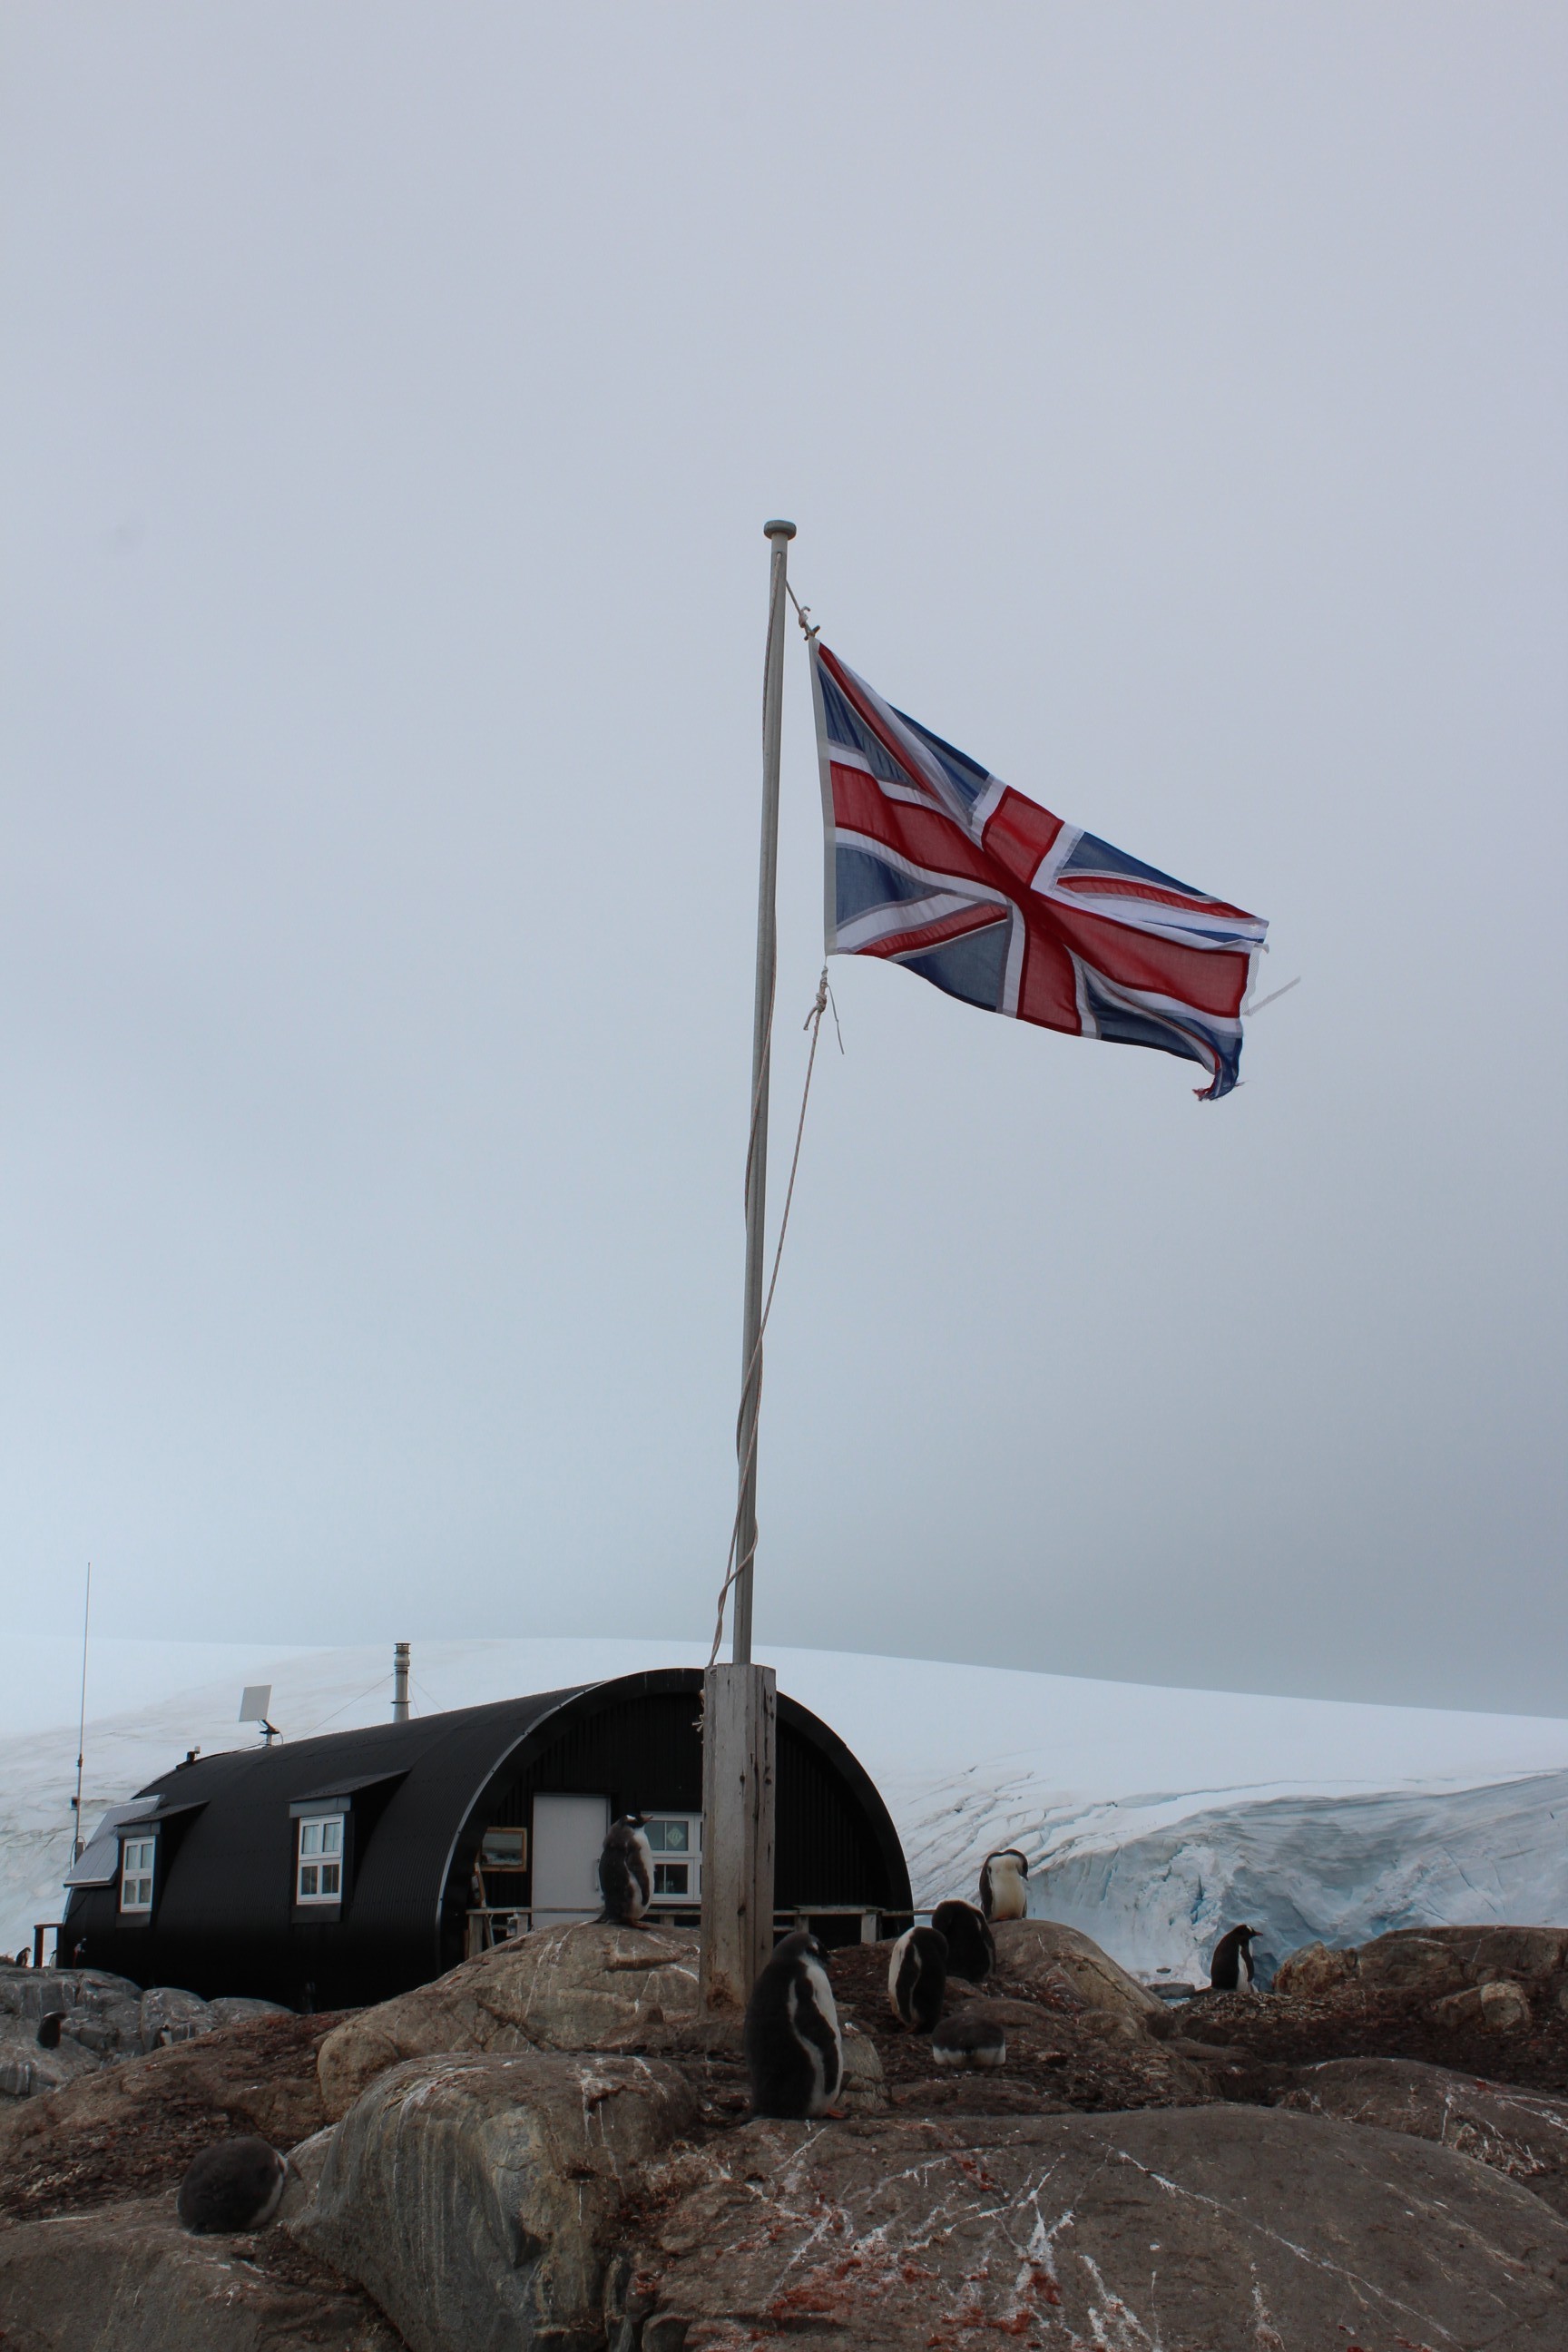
(1439, 1960)
(1315, 1970)
(1206, 2228)
(1049, 1959)
(579, 1987)
(1524, 2134)
(129, 2279)
(479, 2198)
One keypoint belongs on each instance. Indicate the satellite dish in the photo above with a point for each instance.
(254, 1701)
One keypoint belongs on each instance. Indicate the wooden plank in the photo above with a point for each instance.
(739, 1746)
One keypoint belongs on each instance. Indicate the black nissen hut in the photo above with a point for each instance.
(338, 1871)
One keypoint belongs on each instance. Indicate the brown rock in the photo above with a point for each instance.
(479, 2198)
(129, 2279)
(1410, 1962)
(1524, 2134)
(1042, 1955)
(1498, 2008)
(1315, 1968)
(1207, 2227)
(581, 1987)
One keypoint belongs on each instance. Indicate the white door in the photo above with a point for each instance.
(568, 1833)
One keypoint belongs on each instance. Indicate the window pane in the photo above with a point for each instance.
(332, 1837)
(330, 1877)
(670, 1877)
(675, 1837)
(309, 1837)
(308, 1875)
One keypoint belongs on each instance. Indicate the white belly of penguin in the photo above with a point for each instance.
(827, 2007)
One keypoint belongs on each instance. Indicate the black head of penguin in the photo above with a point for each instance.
(234, 2184)
(625, 1871)
(1232, 1961)
(795, 2053)
(970, 1946)
(968, 2041)
(917, 1977)
(1003, 1889)
(49, 2026)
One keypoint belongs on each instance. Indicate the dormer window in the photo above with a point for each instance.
(320, 1873)
(137, 1857)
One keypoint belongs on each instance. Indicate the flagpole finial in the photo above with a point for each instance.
(778, 531)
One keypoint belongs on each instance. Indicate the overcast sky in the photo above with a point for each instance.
(1171, 404)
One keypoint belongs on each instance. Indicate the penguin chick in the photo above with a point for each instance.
(626, 1872)
(1230, 1971)
(234, 2184)
(968, 2041)
(1004, 1888)
(917, 1978)
(970, 1946)
(49, 2026)
(795, 2051)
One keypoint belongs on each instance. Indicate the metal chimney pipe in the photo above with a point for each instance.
(400, 1682)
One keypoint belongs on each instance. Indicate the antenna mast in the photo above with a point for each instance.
(79, 1842)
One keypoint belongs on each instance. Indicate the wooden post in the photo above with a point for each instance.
(740, 1718)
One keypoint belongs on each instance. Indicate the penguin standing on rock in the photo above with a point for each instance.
(234, 2184)
(626, 1872)
(1230, 1971)
(917, 1978)
(795, 2051)
(970, 1946)
(1004, 1884)
(49, 2026)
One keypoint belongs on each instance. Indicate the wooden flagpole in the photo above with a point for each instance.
(739, 1701)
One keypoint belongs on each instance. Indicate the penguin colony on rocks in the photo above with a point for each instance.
(795, 2051)
(234, 2184)
(626, 1872)
(1231, 1967)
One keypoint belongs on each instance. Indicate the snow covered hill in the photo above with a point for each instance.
(1153, 1818)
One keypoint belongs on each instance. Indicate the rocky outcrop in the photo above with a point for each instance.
(1207, 2227)
(1044, 1955)
(583, 1986)
(128, 2130)
(1524, 2134)
(1500, 2008)
(1315, 1970)
(130, 2279)
(1433, 1962)
(479, 2198)
(104, 2019)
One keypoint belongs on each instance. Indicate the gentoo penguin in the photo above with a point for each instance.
(626, 1872)
(970, 1946)
(1003, 1891)
(968, 2041)
(234, 2184)
(794, 2053)
(1230, 1971)
(917, 1978)
(49, 2026)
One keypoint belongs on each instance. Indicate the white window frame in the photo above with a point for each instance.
(317, 1854)
(690, 1856)
(138, 1869)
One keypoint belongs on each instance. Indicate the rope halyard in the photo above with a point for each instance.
(752, 1386)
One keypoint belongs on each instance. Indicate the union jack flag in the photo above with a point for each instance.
(934, 863)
